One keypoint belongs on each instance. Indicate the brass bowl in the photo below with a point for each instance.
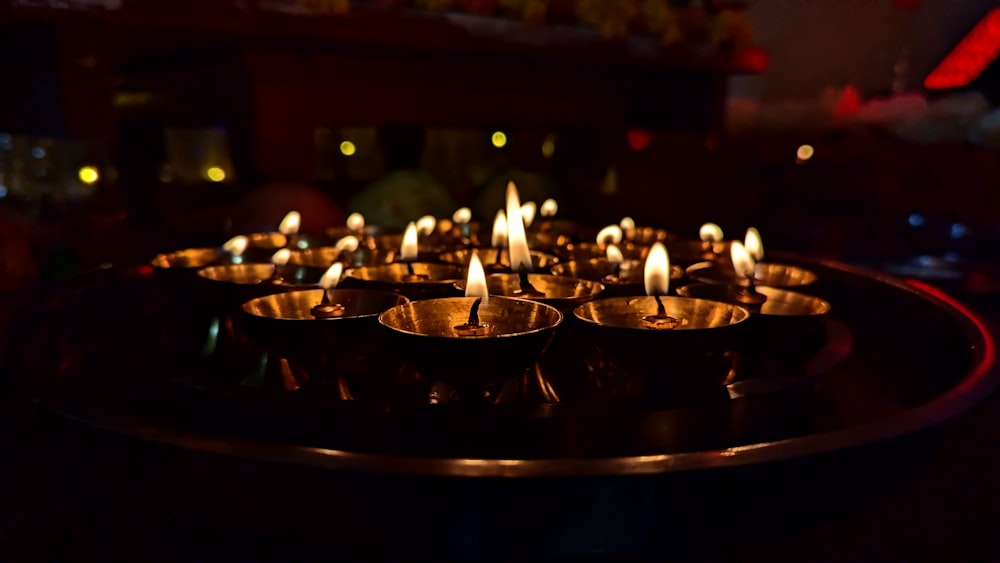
(181, 266)
(189, 259)
(283, 323)
(230, 285)
(628, 282)
(765, 273)
(787, 325)
(392, 277)
(552, 233)
(560, 292)
(426, 334)
(682, 365)
(687, 252)
(588, 250)
(646, 236)
(325, 256)
(539, 260)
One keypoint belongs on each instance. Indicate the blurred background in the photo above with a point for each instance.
(130, 127)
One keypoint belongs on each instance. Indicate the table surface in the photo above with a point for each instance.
(68, 494)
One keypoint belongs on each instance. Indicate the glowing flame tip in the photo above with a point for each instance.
(410, 248)
(710, 232)
(290, 223)
(657, 272)
(332, 276)
(475, 284)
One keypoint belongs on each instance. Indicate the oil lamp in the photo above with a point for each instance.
(318, 337)
(609, 235)
(465, 233)
(185, 262)
(517, 246)
(472, 343)
(619, 275)
(711, 246)
(764, 273)
(785, 328)
(528, 210)
(678, 347)
(289, 227)
(412, 278)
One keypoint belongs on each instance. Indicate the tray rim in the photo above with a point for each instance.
(979, 381)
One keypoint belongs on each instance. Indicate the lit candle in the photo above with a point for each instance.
(549, 208)
(754, 244)
(278, 261)
(236, 246)
(356, 223)
(289, 227)
(325, 309)
(517, 242)
(744, 265)
(710, 232)
(612, 234)
(627, 225)
(615, 258)
(463, 217)
(425, 225)
(409, 251)
(528, 213)
(475, 286)
(656, 278)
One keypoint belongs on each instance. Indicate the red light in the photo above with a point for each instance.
(753, 59)
(849, 102)
(971, 57)
(639, 139)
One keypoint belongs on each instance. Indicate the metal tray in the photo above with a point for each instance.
(898, 357)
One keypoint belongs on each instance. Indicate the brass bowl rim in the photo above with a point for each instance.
(693, 272)
(218, 252)
(284, 295)
(349, 273)
(576, 313)
(444, 256)
(823, 304)
(428, 302)
(676, 271)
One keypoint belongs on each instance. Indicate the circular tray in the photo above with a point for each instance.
(897, 357)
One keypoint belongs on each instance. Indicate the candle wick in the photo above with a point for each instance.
(409, 268)
(661, 311)
(498, 261)
(326, 298)
(527, 290)
(474, 312)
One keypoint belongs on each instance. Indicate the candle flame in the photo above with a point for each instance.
(710, 232)
(615, 255)
(549, 208)
(462, 215)
(657, 273)
(290, 224)
(280, 258)
(410, 248)
(528, 213)
(517, 241)
(500, 230)
(754, 244)
(627, 224)
(355, 221)
(331, 277)
(426, 224)
(475, 284)
(347, 244)
(612, 234)
(743, 263)
(236, 246)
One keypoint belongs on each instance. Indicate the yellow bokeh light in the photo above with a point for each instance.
(549, 146)
(499, 139)
(88, 175)
(805, 152)
(347, 148)
(215, 174)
